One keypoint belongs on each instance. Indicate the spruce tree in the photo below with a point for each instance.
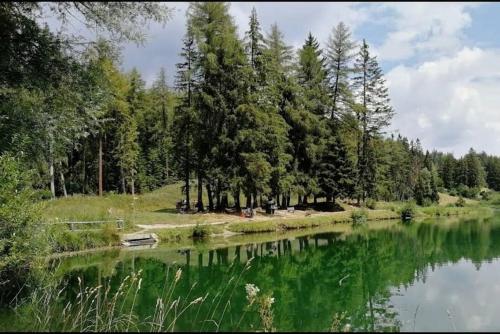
(373, 113)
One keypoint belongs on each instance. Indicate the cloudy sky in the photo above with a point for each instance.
(441, 60)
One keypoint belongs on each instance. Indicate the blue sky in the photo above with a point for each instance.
(441, 60)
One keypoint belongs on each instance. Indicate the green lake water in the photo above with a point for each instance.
(441, 275)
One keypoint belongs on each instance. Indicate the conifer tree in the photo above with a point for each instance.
(339, 55)
(373, 113)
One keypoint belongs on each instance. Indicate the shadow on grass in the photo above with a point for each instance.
(166, 210)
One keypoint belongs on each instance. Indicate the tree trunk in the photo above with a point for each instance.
(100, 165)
(200, 193)
(210, 197)
(217, 196)
(52, 178)
(186, 186)
(299, 199)
(132, 184)
(249, 200)
(224, 202)
(122, 177)
(315, 199)
(237, 203)
(166, 168)
(63, 183)
(84, 178)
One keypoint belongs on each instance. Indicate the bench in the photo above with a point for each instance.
(290, 209)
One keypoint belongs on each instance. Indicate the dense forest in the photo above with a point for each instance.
(247, 118)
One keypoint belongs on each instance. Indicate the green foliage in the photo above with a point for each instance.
(20, 240)
(408, 210)
(371, 203)
(200, 231)
(359, 216)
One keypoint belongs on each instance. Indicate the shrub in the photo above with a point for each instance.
(371, 203)
(200, 231)
(359, 216)
(485, 195)
(19, 244)
(427, 202)
(408, 210)
(460, 202)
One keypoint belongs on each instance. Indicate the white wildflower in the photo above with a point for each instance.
(252, 291)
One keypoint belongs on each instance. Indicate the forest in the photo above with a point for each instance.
(247, 117)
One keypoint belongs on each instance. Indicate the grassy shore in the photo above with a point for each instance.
(158, 207)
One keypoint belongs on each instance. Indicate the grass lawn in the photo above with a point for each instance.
(158, 207)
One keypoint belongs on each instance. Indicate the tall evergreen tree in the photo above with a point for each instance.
(373, 112)
(339, 55)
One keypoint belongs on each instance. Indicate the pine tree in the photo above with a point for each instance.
(340, 52)
(373, 113)
(185, 118)
(222, 65)
(279, 53)
(335, 171)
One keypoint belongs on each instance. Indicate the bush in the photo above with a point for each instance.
(19, 244)
(460, 202)
(200, 231)
(359, 216)
(427, 202)
(408, 211)
(371, 203)
(485, 195)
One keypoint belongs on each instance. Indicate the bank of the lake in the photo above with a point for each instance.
(372, 276)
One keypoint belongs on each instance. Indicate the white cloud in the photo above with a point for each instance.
(451, 103)
(424, 28)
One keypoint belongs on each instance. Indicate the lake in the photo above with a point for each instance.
(441, 275)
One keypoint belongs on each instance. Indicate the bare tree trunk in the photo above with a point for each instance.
(63, 183)
(249, 200)
(186, 185)
(84, 178)
(210, 197)
(132, 184)
(52, 178)
(100, 165)
(200, 193)
(166, 168)
(122, 177)
(51, 166)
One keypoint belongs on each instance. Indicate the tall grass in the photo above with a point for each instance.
(101, 309)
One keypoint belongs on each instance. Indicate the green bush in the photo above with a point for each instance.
(359, 216)
(371, 203)
(485, 195)
(427, 202)
(200, 231)
(408, 210)
(19, 238)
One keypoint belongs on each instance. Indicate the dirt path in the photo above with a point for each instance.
(168, 226)
(279, 214)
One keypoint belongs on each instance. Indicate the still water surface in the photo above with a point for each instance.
(439, 275)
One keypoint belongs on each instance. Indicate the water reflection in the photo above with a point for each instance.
(437, 275)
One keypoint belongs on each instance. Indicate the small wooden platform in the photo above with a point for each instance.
(139, 239)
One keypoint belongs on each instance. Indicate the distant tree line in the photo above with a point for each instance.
(248, 118)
